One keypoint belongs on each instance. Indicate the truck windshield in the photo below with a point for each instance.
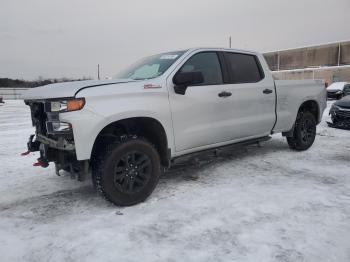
(150, 67)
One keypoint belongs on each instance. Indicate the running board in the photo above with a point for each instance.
(223, 148)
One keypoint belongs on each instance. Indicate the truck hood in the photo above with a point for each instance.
(67, 89)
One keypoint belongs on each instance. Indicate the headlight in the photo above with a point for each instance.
(67, 105)
(338, 92)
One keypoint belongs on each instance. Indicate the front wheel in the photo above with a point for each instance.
(127, 171)
(304, 132)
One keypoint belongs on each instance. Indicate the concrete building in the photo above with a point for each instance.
(330, 62)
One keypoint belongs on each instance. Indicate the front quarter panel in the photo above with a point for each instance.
(110, 103)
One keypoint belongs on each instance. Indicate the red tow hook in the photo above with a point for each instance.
(42, 164)
(25, 153)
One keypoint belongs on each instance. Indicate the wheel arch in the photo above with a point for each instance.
(146, 127)
(308, 105)
(313, 107)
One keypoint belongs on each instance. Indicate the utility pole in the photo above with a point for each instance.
(98, 71)
(339, 50)
(230, 41)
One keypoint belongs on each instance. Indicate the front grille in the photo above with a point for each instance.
(39, 117)
(342, 112)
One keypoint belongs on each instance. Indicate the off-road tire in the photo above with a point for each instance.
(105, 169)
(304, 132)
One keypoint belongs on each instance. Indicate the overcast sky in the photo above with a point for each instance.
(68, 38)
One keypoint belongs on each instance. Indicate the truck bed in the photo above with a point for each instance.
(291, 94)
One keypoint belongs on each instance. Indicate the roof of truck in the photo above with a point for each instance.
(223, 49)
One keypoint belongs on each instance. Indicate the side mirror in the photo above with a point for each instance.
(184, 79)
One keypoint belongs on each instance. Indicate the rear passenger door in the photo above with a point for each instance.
(252, 103)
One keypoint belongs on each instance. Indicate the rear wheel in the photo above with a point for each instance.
(127, 172)
(304, 132)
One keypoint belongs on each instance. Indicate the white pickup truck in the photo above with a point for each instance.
(127, 130)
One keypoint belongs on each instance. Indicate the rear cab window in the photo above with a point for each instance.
(243, 68)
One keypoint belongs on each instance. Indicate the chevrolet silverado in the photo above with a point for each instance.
(126, 131)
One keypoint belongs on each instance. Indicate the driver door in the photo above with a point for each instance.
(199, 116)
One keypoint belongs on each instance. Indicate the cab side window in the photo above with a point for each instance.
(207, 63)
(244, 68)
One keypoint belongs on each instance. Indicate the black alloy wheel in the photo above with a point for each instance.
(132, 172)
(304, 133)
(127, 171)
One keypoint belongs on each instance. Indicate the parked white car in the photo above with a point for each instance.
(338, 89)
(127, 130)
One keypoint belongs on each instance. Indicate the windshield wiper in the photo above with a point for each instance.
(143, 78)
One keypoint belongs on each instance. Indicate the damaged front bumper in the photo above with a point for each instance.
(59, 151)
(60, 143)
(55, 144)
(339, 117)
(339, 124)
(43, 144)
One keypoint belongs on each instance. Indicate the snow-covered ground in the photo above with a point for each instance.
(250, 204)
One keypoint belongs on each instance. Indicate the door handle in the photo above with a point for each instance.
(267, 91)
(225, 94)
